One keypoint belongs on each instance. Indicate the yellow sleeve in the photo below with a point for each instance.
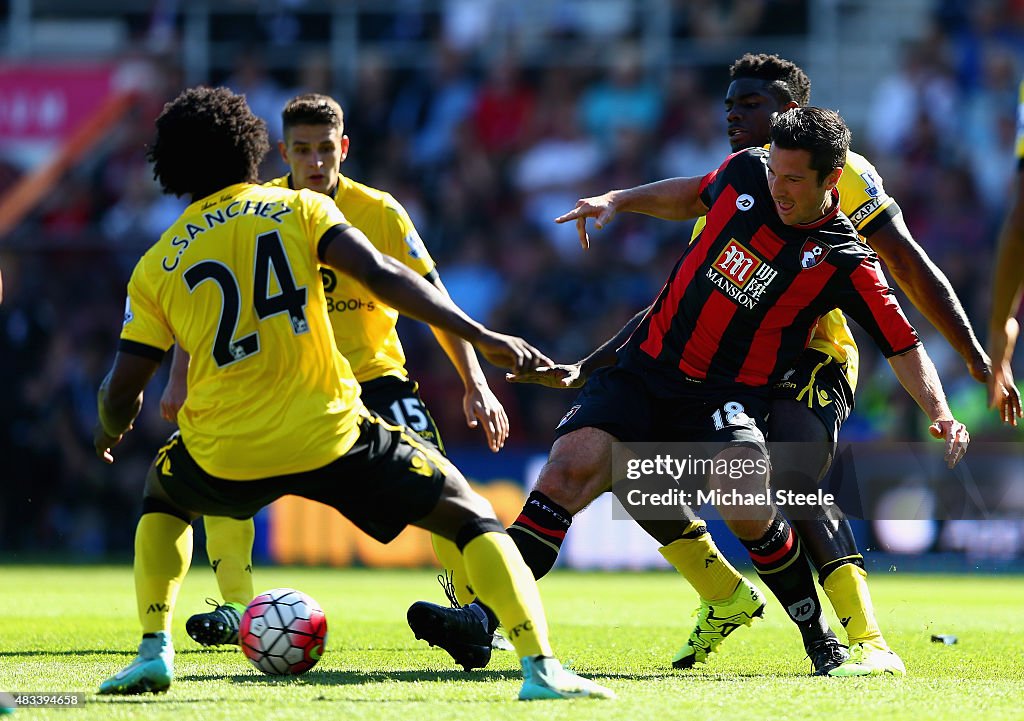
(321, 213)
(862, 196)
(401, 241)
(144, 319)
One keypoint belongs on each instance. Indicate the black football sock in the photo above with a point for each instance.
(779, 562)
(539, 531)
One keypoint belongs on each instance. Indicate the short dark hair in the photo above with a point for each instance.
(819, 131)
(785, 79)
(312, 109)
(207, 139)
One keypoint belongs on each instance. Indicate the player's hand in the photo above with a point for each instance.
(172, 399)
(601, 207)
(553, 376)
(1003, 393)
(481, 406)
(956, 436)
(510, 352)
(104, 442)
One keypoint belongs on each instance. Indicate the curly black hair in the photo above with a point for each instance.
(207, 139)
(312, 109)
(786, 81)
(819, 131)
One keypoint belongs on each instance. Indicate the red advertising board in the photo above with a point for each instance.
(47, 102)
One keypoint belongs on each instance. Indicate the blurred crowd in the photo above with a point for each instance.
(484, 149)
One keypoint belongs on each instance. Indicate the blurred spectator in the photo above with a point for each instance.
(431, 108)
(503, 109)
(265, 96)
(712, 21)
(920, 91)
(989, 124)
(554, 171)
(703, 146)
(623, 99)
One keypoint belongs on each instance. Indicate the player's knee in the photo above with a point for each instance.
(479, 506)
(745, 469)
(460, 504)
(578, 469)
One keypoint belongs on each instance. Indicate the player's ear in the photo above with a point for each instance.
(344, 148)
(283, 150)
(788, 106)
(832, 179)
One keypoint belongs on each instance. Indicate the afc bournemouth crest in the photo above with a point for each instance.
(812, 253)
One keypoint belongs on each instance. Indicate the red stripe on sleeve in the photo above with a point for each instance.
(721, 212)
(764, 348)
(886, 312)
(707, 334)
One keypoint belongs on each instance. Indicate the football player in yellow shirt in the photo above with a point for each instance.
(1008, 285)
(273, 407)
(808, 409)
(314, 147)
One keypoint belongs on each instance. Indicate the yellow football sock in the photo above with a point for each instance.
(451, 560)
(504, 582)
(163, 552)
(229, 548)
(847, 589)
(701, 564)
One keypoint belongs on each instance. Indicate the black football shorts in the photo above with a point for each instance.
(635, 407)
(818, 381)
(398, 400)
(388, 479)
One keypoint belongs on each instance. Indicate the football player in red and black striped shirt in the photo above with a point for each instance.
(737, 310)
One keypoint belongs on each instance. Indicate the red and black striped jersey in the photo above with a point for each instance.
(742, 301)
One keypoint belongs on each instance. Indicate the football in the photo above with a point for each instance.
(283, 632)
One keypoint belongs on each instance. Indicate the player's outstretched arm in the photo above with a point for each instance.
(479, 404)
(347, 250)
(671, 199)
(917, 374)
(1007, 288)
(173, 397)
(120, 400)
(930, 291)
(574, 375)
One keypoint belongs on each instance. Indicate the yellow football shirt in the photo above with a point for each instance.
(863, 199)
(364, 326)
(235, 281)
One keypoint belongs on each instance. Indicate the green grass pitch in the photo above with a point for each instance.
(68, 628)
